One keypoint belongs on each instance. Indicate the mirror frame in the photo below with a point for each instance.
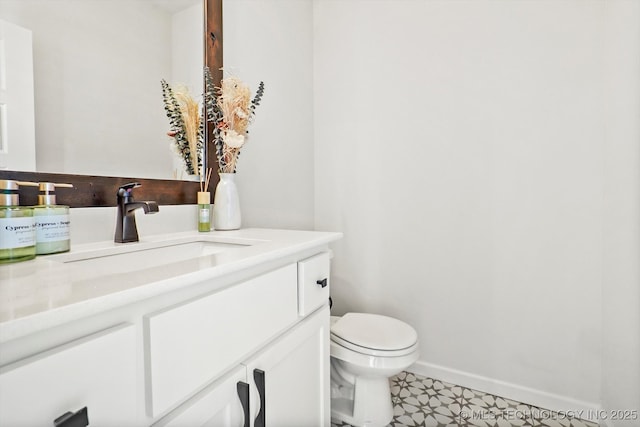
(100, 191)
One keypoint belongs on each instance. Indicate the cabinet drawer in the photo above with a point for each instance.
(190, 345)
(313, 283)
(97, 372)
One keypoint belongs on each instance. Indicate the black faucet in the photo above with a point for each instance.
(126, 230)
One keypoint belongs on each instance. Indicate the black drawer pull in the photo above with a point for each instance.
(323, 283)
(243, 394)
(258, 377)
(73, 419)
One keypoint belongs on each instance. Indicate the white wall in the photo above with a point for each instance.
(271, 40)
(459, 148)
(621, 269)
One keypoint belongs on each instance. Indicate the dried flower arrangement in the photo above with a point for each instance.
(231, 109)
(187, 126)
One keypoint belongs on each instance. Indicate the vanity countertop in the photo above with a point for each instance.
(52, 290)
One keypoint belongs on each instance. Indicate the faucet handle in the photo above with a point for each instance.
(130, 185)
(125, 189)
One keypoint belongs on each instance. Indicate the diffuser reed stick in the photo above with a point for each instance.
(204, 181)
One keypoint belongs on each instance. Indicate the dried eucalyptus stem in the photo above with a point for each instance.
(186, 125)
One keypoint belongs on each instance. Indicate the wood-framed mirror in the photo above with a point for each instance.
(100, 191)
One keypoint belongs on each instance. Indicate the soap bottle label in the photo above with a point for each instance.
(52, 228)
(17, 232)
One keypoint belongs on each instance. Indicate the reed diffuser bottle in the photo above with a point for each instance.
(204, 204)
(204, 211)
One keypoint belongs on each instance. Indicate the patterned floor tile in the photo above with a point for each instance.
(420, 401)
(486, 410)
(427, 402)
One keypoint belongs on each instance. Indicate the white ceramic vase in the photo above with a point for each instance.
(226, 204)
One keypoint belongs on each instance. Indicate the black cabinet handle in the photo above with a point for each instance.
(258, 377)
(73, 419)
(322, 283)
(243, 394)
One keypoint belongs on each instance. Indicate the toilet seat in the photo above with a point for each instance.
(372, 351)
(374, 335)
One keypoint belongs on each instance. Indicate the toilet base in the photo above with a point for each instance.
(371, 405)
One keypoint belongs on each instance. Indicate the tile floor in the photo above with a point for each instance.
(421, 401)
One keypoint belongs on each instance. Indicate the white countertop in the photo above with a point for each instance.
(45, 292)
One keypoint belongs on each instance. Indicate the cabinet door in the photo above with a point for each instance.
(223, 404)
(97, 372)
(292, 377)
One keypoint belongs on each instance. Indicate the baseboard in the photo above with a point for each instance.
(541, 399)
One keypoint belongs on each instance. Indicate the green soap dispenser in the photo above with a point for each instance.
(53, 227)
(17, 225)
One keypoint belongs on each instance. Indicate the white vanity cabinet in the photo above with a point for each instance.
(283, 383)
(95, 374)
(242, 341)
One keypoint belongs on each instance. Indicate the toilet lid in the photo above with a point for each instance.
(374, 331)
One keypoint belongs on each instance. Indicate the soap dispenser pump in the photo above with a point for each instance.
(17, 226)
(52, 222)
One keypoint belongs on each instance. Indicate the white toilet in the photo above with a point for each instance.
(367, 349)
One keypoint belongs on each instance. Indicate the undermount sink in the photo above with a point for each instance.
(123, 259)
